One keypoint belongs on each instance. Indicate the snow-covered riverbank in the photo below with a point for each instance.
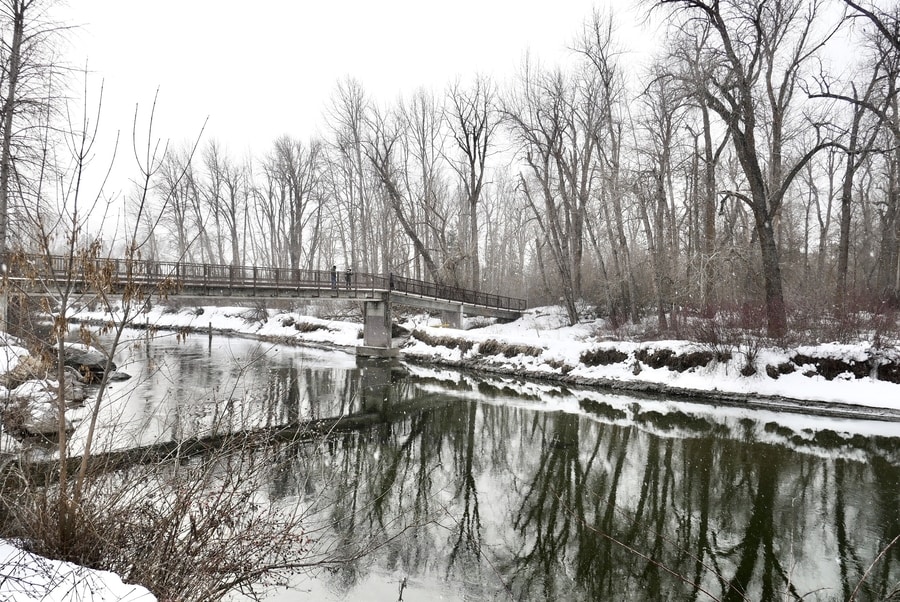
(839, 377)
(27, 577)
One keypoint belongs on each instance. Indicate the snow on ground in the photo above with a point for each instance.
(27, 577)
(561, 347)
(248, 321)
(11, 349)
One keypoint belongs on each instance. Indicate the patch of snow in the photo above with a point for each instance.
(11, 349)
(855, 352)
(28, 577)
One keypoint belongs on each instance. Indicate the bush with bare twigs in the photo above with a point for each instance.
(185, 526)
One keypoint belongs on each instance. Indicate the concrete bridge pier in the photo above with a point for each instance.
(377, 328)
(453, 317)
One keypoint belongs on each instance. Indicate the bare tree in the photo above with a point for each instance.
(885, 22)
(473, 121)
(425, 181)
(663, 104)
(234, 206)
(597, 46)
(750, 64)
(508, 228)
(357, 210)
(224, 194)
(553, 116)
(386, 152)
(211, 190)
(857, 141)
(292, 197)
(708, 147)
(27, 96)
(175, 188)
(875, 100)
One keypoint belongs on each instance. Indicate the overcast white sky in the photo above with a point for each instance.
(266, 68)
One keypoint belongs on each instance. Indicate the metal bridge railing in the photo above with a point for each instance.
(173, 276)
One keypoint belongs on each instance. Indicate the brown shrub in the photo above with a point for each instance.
(694, 359)
(830, 367)
(655, 359)
(889, 372)
(494, 347)
(448, 342)
(602, 357)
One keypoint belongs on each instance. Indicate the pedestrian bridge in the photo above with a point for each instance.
(220, 284)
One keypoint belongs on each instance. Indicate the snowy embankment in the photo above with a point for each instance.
(831, 378)
(27, 577)
(840, 377)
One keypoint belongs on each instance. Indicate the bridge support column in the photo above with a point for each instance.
(377, 323)
(452, 317)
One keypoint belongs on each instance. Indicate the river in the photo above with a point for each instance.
(487, 488)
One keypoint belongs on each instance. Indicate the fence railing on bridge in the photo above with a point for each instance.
(176, 276)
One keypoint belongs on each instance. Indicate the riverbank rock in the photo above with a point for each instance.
(27, 368)
(118, 376)
(90, 363)
(31, 410)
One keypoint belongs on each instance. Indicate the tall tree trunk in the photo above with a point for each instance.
(653, 250)
(396, 202)
(606, 285)
(709, 215)
(474, 258)
(776, 315)
(846, 214)
(9, 108)
(660, 250)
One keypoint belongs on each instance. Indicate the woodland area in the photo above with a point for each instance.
(753, 167)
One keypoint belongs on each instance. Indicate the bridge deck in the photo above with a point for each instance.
(174, 279)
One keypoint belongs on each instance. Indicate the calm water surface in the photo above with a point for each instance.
(484, 488)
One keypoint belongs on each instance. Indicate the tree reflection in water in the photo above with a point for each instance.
(478, 488)
(499, 501)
